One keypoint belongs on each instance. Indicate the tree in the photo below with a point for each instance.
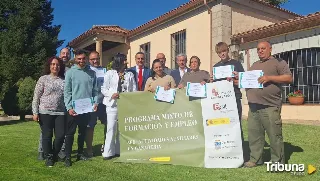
(276, 2)
(27, 38)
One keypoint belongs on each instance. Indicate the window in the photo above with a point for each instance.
(305, 67)
(178, 45)
(145, 48)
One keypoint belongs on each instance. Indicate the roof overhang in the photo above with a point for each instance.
(104, 33)
(277, 29)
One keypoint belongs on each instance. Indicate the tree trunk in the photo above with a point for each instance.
(22, 116)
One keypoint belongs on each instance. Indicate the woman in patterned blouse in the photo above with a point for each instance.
(115, 82)
(48, 108)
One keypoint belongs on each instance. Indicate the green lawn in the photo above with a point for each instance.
(18, 160)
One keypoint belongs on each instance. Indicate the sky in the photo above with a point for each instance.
(78, 16)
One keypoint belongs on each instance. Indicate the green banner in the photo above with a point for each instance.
(160, 132)
(199, 132)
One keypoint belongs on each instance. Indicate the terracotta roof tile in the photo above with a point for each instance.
(179, 10)
(105, 29)
(282, 27)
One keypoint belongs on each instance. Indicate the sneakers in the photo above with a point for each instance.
(40, 156)
(67, 162)
(49, 161)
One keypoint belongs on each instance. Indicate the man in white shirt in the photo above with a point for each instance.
(177, 74)
(94, 60)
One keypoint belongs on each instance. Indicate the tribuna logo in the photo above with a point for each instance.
(295, 169)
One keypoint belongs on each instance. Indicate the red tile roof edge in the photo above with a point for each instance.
(282, 27)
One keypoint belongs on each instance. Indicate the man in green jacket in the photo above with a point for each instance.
(80, 83)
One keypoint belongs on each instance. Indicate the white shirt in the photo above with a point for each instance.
(137, 70)
(181, 72)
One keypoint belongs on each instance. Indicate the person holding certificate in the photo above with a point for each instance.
(265, 107)
(80, 98)
(222, 49)
(94, 60)
(195, 75)
(159, 78)
(115, 82)
(48, 108)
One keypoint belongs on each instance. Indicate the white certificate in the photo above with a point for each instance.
(196, 90)
(165, 95)
(100, 72)
(223, 72)
(82, 106)
(249, 79)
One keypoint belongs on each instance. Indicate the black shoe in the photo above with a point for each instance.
(49, 161)
(117, 155)
(82, 157)
(108, 158)
(41, 156)
(68, 162)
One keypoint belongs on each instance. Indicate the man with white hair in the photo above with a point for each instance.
(177, 74)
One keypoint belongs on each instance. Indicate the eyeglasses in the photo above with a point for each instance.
(95, 59)
(81, 58)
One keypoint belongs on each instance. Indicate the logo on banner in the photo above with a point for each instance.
(219, 121)
(217, 144)
(218, 106)
(160, 159)
(216, 94)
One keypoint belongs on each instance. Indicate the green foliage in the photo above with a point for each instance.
(25, 94)
(10, 102)
(27, 38)
(109, 66)
(276, 2)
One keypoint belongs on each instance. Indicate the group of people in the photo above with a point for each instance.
(59, 86)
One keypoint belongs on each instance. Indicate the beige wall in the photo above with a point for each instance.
(244, 20)
(107, 55)
(197, 25)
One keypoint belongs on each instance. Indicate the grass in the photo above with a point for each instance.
(18, 160)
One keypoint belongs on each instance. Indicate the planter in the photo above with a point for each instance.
(296, 100)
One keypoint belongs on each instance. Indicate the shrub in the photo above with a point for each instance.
(18, 99)
(25, 94)
(9, 103)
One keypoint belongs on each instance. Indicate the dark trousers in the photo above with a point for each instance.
(80, 121)
(48, 124)
(239, 106)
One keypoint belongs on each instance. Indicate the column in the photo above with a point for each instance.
(221, 26)
(99, 49)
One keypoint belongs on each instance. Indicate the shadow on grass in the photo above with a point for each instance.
(289, 149)
(12, 122)
(96, 150)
